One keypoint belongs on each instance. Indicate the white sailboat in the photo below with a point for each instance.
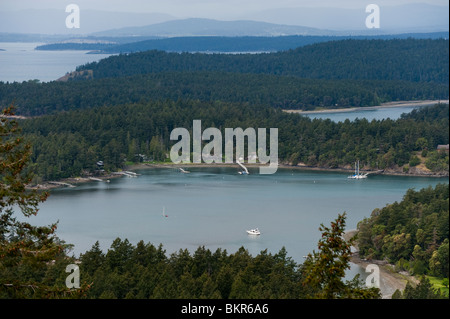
(164, 212)
(357, 175)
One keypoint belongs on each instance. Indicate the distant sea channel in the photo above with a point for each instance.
(20, 62)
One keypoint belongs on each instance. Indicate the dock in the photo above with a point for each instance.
(127, 173)
(61, 184)
(375, 172)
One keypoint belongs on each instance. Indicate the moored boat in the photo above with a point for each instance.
(254, 232)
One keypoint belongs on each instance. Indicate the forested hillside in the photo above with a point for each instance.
(126, 112)
(413, 233)
(34, 260)
(67, 143)
(417, 60)
(287, 92)
(134, 101)
(334, 74)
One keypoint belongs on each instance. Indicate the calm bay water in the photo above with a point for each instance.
(213, 207)
(20, 62)
(370, 114)
(210, 207)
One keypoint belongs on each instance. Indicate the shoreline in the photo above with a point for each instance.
(390, 280)
(71, 181)
(300, 166)
(381, 106)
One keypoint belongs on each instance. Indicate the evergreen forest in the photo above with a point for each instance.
(412, 234)
(122, 109)
(70, 144)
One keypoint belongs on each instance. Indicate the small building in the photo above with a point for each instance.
(442, 148)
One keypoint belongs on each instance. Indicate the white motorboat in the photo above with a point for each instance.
(254, 232)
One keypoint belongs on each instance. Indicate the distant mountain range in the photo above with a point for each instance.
(165, 32)
(413, 17)
(52, 22)
(417, 18)
(210, 27)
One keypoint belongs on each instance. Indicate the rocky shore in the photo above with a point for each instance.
(73, 181)
(397, 171)
(390, 280)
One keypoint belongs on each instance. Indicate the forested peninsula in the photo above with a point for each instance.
(281, 92)
(415, 60)
(70, 143)
(122, 109)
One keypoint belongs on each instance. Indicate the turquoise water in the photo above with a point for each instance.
(213, 207)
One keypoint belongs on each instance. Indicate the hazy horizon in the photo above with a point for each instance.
(48, 17)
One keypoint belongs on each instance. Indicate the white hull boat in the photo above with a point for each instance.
(254, 232)
(357, 174)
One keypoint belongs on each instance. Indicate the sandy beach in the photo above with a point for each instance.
(390, 281)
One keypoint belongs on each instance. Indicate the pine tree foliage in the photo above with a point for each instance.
(325, 269)
(27, 252)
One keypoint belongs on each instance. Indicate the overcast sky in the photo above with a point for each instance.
(198, 8)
